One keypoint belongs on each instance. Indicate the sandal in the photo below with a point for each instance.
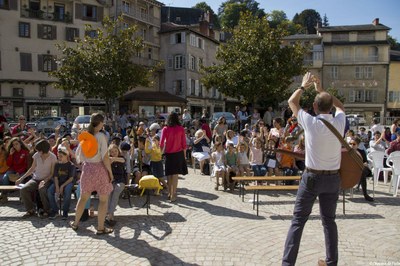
(104, 231)
(73, 226)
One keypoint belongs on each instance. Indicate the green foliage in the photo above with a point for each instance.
(254, 64)
(394, 45)
(325, 21)
(279, 18)
(229, 11)
(308, 19)
(214, 17)
(102, 67)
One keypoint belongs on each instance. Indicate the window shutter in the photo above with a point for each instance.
(172, 38)
(40, 62)
(183, 37)
(53, 63)
(170, 61)
(100, 13)
(54, 32)
(189, 91)
(183, 61)
(40, 31)
(78, 10)
(13, 4)
(352, 96)
(196, 87)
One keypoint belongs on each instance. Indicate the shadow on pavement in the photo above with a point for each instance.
(197, 194)
(360, 216)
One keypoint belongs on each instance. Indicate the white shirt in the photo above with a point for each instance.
(102, 149)
(323, 149)
(43, 167)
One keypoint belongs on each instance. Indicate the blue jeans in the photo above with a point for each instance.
(5, 181)
(326, 187)
(259, 170)
(66, 198)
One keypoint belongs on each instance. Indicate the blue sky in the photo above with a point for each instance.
(339, 12)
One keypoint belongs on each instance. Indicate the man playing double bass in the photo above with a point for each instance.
(321, 176)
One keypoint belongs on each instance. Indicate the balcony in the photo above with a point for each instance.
(145, 61)
(46, 15)
(366, 59)
(139, 15)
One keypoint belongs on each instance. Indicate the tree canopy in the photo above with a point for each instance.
(214, 17)
(308, 19)
(254, 64)
(229, 11)
(101, 66)
(394, 44)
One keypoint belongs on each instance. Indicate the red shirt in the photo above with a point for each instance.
(206, 127)
(18, 161)
(17, 129)
(173, 138)
(394, 146)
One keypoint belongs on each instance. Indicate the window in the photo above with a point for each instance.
(68, 93)
(4, 4)
(365, 36)
(71, 34)
(150, 53)
(214, 92)
(364, 72)
(192, 62)
(91, 33)
(394, 96)
(200, 43)
(42, 90)
(200, 63)
(373, 54)
(46, 63)
(178, 38)
(59, 12)
(25, 61)
(89, 12)
(343, 37)
(317, 56)
(18, 92)
(369, 96)
(334, 72)
(193, 87)
(179, 62)
(347, 53)
(201, 89)
(126, 7)
(178, 87)
(192, 40)
(47, 32)
(334, 55)
(24, 29)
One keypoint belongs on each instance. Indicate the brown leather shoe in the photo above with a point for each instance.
(321, 262)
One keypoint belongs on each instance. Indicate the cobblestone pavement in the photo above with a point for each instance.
(204, 227)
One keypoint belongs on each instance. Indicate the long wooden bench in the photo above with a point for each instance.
(257, 188)
(9, 188)
(243, 179)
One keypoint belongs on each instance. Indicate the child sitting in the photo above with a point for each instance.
(231, 161)
(120, 179)
(271, 161)
(256, 157)
(218, 158)
(243, 160)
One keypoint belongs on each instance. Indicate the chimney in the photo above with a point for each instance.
(375, 22)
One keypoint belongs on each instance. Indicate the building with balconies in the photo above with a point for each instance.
(356, 62)
(29, 30)
(185, 48)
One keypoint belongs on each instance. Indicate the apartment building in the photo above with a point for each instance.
(29, 30)
(313, 58)
(185, 48)
(393, 102)
(356, 62)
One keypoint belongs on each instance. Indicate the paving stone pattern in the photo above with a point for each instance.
(203, 227)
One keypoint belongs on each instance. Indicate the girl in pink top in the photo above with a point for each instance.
(173, 142)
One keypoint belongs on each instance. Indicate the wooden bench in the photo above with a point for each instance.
(9, 188)
(243, 179)
(256, 189)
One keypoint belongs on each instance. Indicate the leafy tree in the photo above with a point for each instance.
(308, 18)
(394, 45)
(279, 18)
(254, 65)
(229, 11)
(214, 17)
(325, 21)
(101, 67)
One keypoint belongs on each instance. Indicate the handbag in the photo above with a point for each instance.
(351, 165)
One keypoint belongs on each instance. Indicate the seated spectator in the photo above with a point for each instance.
(218, 158)
(201, 148)
(243, 160)
(141, 161)
(231, 162)
(378, 143)
(63, 182)
(256, 158)
(42, 172)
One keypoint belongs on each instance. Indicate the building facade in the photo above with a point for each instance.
(356, 62)
(29, 30)
(185, 49)
(393, 103)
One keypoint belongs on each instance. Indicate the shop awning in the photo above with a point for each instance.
(153, 96)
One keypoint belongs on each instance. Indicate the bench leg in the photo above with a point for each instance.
(344, 202)
(242, 185)
(254, 199)
(129, 198)
(258, 192)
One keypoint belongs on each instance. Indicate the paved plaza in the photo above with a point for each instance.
(204, 227)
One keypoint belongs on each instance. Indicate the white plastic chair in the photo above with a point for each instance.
(394, 160)
(376, 158)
